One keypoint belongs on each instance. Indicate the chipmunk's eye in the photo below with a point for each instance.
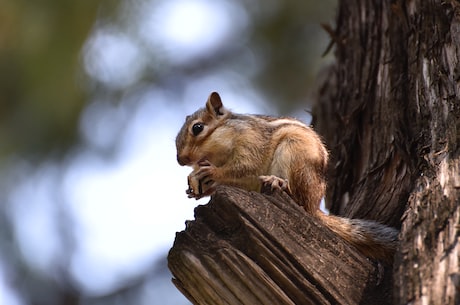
(197, 128)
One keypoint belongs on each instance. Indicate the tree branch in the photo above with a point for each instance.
(249, 248)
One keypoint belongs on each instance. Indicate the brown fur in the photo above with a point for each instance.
(235, 149)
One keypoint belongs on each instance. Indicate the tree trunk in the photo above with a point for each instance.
(390, 113)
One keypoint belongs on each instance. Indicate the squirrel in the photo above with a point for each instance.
(254, 152)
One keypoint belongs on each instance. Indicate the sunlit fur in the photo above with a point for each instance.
(241, 148)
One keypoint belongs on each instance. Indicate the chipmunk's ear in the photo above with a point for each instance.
(214, 105)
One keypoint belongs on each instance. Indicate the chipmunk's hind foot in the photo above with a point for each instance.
(271, 184)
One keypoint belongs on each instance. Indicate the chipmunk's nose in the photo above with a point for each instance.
(183, 160)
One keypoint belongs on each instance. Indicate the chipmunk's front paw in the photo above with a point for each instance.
(200, 182)
(273, 183)
(205, 172)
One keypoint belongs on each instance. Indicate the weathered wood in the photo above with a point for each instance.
(427, 268)
(390, 113)
(249, 248)
(362, 114)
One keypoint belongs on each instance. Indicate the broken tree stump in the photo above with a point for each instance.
(249, 248)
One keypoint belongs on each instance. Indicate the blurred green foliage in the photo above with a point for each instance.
(292, 41)
(41, 79)
(40, 97)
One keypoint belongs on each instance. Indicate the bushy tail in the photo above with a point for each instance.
(371, 238)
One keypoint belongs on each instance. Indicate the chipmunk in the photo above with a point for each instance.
(255, 151)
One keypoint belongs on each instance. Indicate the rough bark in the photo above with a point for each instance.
(249, 248)
(390, 113)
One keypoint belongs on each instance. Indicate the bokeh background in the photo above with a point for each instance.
(92, 94)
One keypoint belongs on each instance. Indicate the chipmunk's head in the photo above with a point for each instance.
(194, 142)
